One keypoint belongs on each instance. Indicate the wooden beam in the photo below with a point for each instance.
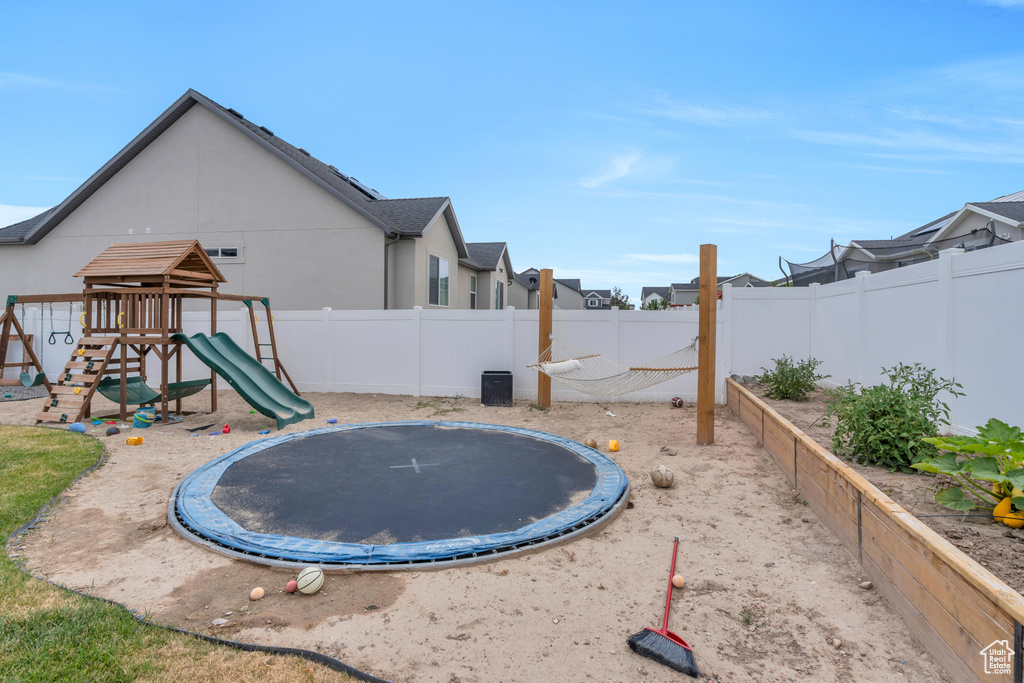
(544, 334)
(706, 344)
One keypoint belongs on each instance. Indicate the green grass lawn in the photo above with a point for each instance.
(48, 634)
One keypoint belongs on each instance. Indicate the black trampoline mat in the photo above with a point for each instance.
(400, 484)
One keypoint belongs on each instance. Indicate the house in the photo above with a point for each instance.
(565, 292)
(685, 293)
(653, 294)
(272, 216)
(597, 299)
(487, 274)
(977, 225)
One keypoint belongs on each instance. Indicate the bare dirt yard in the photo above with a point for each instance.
(994, 546)
(770, 595)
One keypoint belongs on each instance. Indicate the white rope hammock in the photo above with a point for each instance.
(592, 373)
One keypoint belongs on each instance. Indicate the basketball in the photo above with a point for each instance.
(662, 477)
(310, 579)
(677, 402)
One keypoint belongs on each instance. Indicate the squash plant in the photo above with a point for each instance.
(988, 468)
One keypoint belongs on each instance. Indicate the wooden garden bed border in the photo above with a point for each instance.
(955, 606)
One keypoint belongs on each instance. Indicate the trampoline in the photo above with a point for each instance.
(397, 494)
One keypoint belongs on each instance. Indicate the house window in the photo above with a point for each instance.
(594, 303)
(222, 252)
(472, 291)
(499, 295)
(438, 284)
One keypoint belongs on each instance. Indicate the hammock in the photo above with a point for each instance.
(138, 393)
(592, 373)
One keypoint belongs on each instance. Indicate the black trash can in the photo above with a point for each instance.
(496, 388)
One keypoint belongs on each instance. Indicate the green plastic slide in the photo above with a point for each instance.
(246, 375)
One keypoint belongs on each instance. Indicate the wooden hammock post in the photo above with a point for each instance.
(706, 344)
(544, 337)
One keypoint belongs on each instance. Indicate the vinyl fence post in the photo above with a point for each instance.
(417, 350)
(327, 358)
(862, 326)
(510, 343)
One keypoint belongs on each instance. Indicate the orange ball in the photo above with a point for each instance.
(677, 581)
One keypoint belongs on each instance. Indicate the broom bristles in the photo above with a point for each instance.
(664, 650)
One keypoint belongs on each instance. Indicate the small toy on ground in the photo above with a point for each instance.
(134, 441)
(677, 402)
(256, 594)
(590, 443)
(310, 580)
(226, 430)
(332, 420)
(264, 431)
(662, 477)
(113, 431)
(97, 422)
(252, 412)
(677, 581)
(214, 433)
(77, 427)
(8, 395)
(613, 445)
(291, 586)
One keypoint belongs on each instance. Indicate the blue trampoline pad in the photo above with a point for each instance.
(397, 493)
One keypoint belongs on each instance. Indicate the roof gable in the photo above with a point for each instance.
(402, 216)
(144, 259)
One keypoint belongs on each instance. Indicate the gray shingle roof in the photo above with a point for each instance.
(19, 230)
(660, 291)
(1012, 210)
(485, 254)
(408, 216)
(405, 216)
(603, 293)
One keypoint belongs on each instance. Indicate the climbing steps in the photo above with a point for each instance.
(69, 400)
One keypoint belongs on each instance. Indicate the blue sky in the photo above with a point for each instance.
(604, 140)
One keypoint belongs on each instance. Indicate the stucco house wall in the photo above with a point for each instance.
(436, 241)
(206, 180)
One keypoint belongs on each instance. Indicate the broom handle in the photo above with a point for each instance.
(671, 573)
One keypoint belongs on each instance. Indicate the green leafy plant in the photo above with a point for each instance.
(994, 457)
(889, 424)
(790, 380)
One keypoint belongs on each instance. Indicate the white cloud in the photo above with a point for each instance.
(10, 215)
(1002, 3)
(621, 166)
(702, 115)
(665, 258)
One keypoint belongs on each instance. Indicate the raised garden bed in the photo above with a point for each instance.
(956, 606)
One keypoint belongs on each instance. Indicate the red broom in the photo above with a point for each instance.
(662, 645)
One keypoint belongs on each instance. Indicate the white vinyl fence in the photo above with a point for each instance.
(959, 314)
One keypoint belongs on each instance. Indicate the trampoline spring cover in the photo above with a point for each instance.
(199, 514)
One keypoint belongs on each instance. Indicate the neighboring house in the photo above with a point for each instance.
(685, 293)
(597, 299)
(565, 292)
(649, 294)
(487, 275)
(275, 219)
(977, 225)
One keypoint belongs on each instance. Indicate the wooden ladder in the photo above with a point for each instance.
(69, 400)
(278, 368)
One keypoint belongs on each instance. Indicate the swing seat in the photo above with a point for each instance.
(137, 392)
(28, 381)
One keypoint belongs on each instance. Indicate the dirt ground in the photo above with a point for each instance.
(994, 546)
(770, 595)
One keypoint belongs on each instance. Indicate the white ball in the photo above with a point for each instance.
(662, 477)
(310, 580)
